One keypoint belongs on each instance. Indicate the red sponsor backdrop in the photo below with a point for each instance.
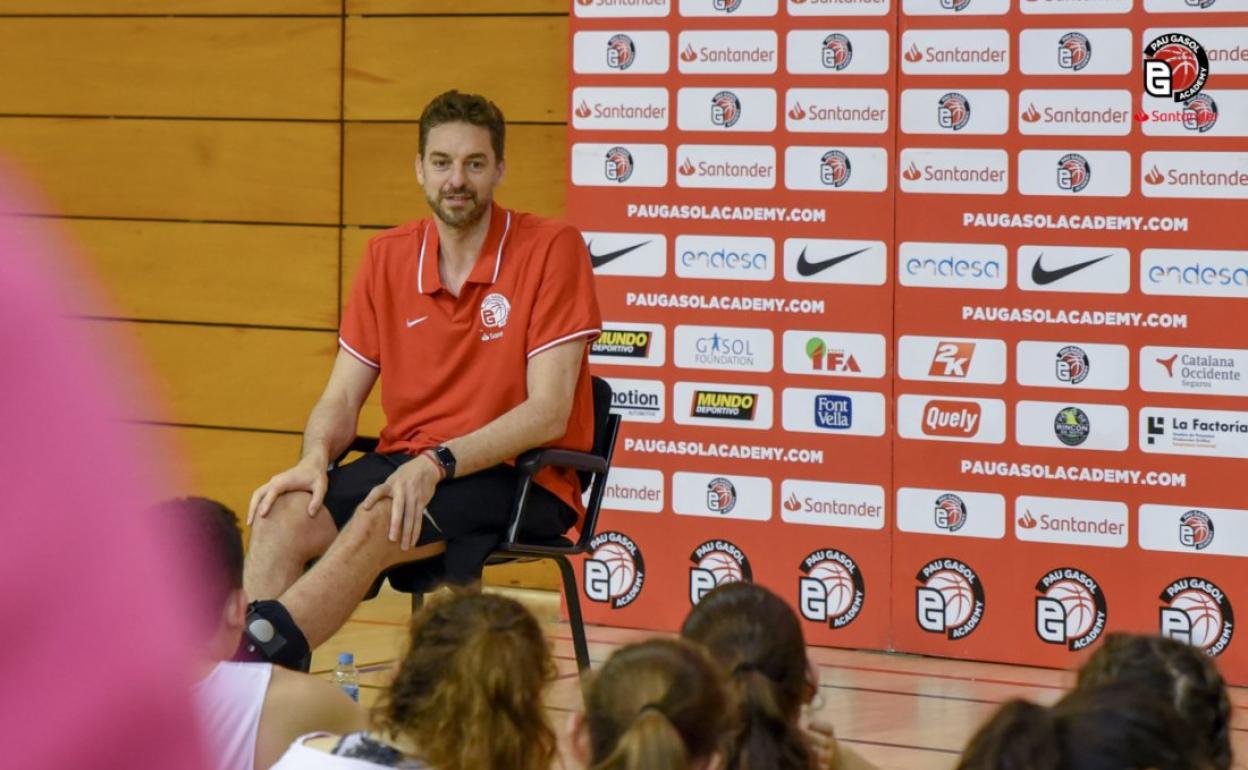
(891, 293)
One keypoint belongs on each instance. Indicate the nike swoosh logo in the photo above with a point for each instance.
(598, 260)
(415, 321)
(807, 268)
(1042, 277)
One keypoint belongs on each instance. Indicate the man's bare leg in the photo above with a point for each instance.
(282, 543)
(325, 596)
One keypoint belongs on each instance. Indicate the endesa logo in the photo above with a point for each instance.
(1070, 609)
(828, 504)
(951, 512)
(1096, 523)
(729, 7)
(617, 165)
(723, 347)
(1194, 610)
(945, 359)
(930, 418)
(1063, 51)
(956, 7)
(629, 344)
(1063, 425)
(955, 52)
(725, 110)
(633, 489)
(968, 111)
(614, 572)
(740, 52)
(949, 598)
(728, 258)
(715, 563)
(726, 166)
(837, 52)
(1076, 366)
(721, 496)
(952, 265)
(1202, 531)
(1068, 112)
(833, 354)
(846, 413)
(639, 254)
(619, 109)
(722, 406)
(632, 52)
(1194, 273)
(637, 400)
(830, 588)
(818, 260)
(954, 172)
(1201, 371)
(612, 9)
(1175, 66)
(838, 7)
(1073, 7)
(1199, 432)
(832, 110)
(836, 169)
(1083, 173)
(1194, 175)
(1074, 269)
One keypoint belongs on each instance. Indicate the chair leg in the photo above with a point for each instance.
(572, 596)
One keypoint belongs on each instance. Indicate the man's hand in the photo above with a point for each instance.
(307, 476)
(410, 489)
(822, 745)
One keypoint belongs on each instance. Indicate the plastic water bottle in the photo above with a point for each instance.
(347, 676)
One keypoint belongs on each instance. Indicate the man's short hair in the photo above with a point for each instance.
(474, 109)
(212, 543)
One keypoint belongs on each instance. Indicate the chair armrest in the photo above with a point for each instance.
(362, 444)
(534, 460)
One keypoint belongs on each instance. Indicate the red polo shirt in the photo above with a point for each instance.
(452, 364)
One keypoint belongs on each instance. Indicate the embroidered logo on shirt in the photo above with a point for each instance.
(494, 312)
(413, 321)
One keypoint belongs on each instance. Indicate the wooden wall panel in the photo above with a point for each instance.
(380, 183)
(396, 65)
(428, 7)
(225, 274)
(170, 7)
(203, 170)
(241, 68)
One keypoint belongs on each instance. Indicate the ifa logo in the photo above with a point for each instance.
(949, 598)
(615, 572)
(725, 109)
(952, 359)
(837, 52)
(1073, 365)
(1070, 608)
(953, 111)
(715, 563)
(621, 52)
(831, 360)
(619, 165)
(957, 419)
(1074, 51)
(1176, 66)
(1196, 611)
(950, 512)
(834, 168)
(1074, 172)
(1196, 530)
(830, 589)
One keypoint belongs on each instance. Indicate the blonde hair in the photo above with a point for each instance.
(468, 692)
(655, 705)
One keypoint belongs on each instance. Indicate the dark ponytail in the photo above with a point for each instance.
(766, 735)
(1020, 736)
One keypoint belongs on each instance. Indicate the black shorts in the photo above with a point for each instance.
(470, 514)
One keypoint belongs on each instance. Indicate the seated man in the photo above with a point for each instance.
(478, 317)
(249, 712)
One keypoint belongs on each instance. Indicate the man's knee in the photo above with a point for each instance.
(288, 523)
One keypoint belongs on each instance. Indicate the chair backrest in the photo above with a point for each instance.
(606, 427)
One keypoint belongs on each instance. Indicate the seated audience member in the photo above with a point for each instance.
(757, 639)
(1111, 728)
(1175, 670)
(654, 705)
(249, 712)
(467, 696)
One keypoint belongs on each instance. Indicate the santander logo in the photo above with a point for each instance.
(688, 54)
(914, 54)
(791, 503)
(912, 172)
(1031, 115)
(584, 2)
(687, 168)
(960, 419)
(1154, 176)
(797, 112)
(583, 110)
(1027, 521)
(1141, 116)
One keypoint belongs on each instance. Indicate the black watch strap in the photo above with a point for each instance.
(446, 458)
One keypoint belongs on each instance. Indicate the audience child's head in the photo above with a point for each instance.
(757, 640)
(1169, 668)
(468, 693)
(654, 705)
(1112, 728)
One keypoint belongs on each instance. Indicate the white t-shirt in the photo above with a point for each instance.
(349, 754)
(229, 702)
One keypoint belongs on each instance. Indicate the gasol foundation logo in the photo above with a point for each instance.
(1175, 66)
(830, 589)
(1196, 611)
(715, 563)
(614, 572)
(1070, 609)
(949, 598)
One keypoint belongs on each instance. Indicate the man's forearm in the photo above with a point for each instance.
(529, 424)
(330, 430)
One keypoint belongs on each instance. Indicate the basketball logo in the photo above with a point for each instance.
(830, 589)
(621, 52)
(1200, 113)
(834, 169)
(1074, 51)
(725, 109)
(950, 512)
(1073, 364)
(955, 5)
(716, 562)
(838, 52)
(1072, 426)
(614, 572)
(949, 599)
(1195, 611)
(1175, 65)
(1196, 530)
(494, 311)
(726, 6)
(953, 111)
(619, 165)
(1074, 172)
(1071, 608)
(721, 496)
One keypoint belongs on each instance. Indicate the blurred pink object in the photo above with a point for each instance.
(95, 665)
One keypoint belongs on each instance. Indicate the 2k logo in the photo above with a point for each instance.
(952, 359)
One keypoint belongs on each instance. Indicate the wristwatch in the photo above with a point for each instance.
(445, 458)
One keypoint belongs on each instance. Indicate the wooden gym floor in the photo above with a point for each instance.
(902, 712)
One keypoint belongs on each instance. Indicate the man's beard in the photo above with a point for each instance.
(460, 218)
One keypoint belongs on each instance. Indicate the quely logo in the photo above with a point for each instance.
(715, 563)
(1070, 609)
(956, 419)
(615, 572)
(1196, 611)
(1175, 66)
(979, 420)
(830, 589)
(949, 598)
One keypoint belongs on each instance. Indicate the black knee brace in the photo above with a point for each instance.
(270, 634)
